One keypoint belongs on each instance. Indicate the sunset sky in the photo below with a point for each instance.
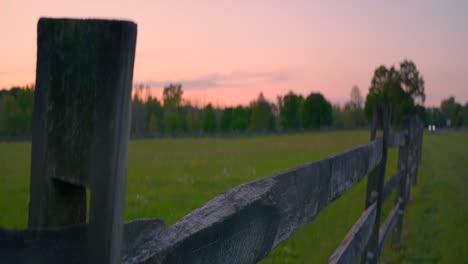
(226, 52)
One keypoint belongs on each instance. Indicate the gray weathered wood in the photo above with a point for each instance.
(408, 159)
(412, 150)
(65, 244)
(243, 224)
(369, 192)
(81, 128)
(388, 226)
(418, 128)
(374, 123)
(404, 184)
(390, 185)
(397, 139)
(375, 185)
(356, 239)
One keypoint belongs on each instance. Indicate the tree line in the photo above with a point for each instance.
(174, 115)
(402, 88)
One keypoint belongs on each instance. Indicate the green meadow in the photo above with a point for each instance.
(168, 178)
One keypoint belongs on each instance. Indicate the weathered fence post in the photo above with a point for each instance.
(404, 185)
(418, 127)
(409, 157)
(81, 128)
(375, 181)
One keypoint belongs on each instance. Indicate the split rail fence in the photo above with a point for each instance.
(80, 137)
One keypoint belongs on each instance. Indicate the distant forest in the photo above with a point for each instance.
(172, 115)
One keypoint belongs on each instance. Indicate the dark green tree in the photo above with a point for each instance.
(457, 116)
(290, 107)
(241, 119)
(447, 106)
(386, 88)
(434, 117)
(412, 81)
(194, 116)
(174, 115)
(262, 118)
(16, 107)
(225, 123)
(139, 124)
(452, 111)
(337, 116)
(209, 119)
(317, 111)
(465, 115)
(154, 116)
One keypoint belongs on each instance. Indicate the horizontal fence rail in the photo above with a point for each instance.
(65, 244)
(388, 226)
(391, 185)
(397, 139)
(250, 220)
(356, 239)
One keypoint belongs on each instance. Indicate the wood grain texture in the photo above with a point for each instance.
(404, 184)
(418, 127)
(65, 244)
(388, 226)
(409, 157)
(375, 184)
(397, 139)
(356, 240)
(243, 224)
(391, 184)
(81, 127)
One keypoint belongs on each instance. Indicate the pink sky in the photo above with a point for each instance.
(226, 52)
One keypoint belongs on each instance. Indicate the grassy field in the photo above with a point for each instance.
(436, 223)
(171, 177)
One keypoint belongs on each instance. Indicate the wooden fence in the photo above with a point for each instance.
(80, 137)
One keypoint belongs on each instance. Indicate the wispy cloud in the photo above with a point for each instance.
(214, 80)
